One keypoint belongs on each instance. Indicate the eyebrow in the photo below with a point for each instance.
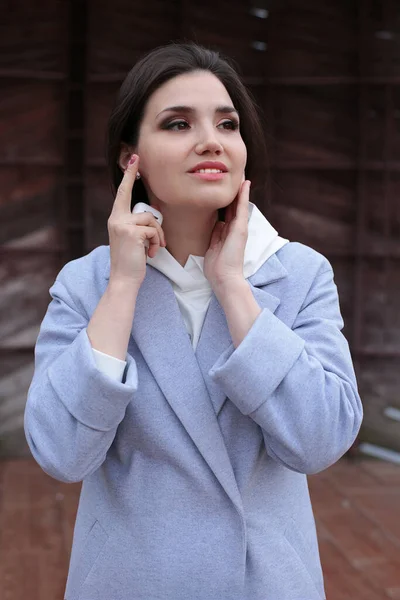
(224, 110)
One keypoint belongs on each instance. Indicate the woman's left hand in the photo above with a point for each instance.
(223, 261)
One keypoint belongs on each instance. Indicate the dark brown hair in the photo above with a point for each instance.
(156, 68)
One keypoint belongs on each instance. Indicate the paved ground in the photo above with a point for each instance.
(357, 507)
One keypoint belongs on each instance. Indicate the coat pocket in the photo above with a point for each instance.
(307, 554)
(88, 555)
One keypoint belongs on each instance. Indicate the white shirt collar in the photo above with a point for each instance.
(262, 242)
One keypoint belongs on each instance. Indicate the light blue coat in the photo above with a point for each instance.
(193, 469)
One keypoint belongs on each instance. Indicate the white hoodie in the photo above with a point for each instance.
(193, 291)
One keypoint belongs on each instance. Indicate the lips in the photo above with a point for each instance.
(209, 164)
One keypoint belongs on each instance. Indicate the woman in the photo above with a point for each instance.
(191, 388)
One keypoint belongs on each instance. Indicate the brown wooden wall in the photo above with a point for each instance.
(326, 73)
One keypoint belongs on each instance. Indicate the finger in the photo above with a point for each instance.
(151, 234)
(229, 212)
(147, 218)
(216, 234)
(122, 202)
(160, 233)
(155, 244)
(242, 208)
(234, 205)
(225, 232)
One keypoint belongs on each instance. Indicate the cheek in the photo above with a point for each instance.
(160, 173)
(242, 152)
(158, 159)
(240, 160)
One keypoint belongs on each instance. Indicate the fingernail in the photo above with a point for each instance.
(133, 159)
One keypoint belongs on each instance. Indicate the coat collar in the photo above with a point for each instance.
(160, 333)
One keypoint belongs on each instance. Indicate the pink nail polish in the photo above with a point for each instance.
(133, 159)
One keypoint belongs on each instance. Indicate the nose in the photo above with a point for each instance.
(209, 143)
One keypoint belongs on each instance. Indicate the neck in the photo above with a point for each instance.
(187, 231)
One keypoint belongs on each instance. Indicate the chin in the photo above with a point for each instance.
(211, 197)
(214, 198)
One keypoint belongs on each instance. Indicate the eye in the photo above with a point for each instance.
(229, 124)
(180, 125)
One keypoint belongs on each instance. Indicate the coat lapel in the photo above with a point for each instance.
(160, 333)
(215, 337)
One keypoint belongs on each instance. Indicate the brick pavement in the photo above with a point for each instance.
(356, 503)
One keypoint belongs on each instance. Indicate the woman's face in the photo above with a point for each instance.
(189, 127)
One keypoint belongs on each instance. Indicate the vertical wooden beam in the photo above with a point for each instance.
(388, 20)
(258, 10)
(358, 313)
(73, 217)
(269, 93)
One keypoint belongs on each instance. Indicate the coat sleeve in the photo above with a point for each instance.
(298, 384)
(73, 408)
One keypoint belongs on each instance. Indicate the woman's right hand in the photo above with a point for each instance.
(128, 233)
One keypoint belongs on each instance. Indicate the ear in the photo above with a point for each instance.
(125, 153)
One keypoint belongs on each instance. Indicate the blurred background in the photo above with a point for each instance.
(326, 75)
